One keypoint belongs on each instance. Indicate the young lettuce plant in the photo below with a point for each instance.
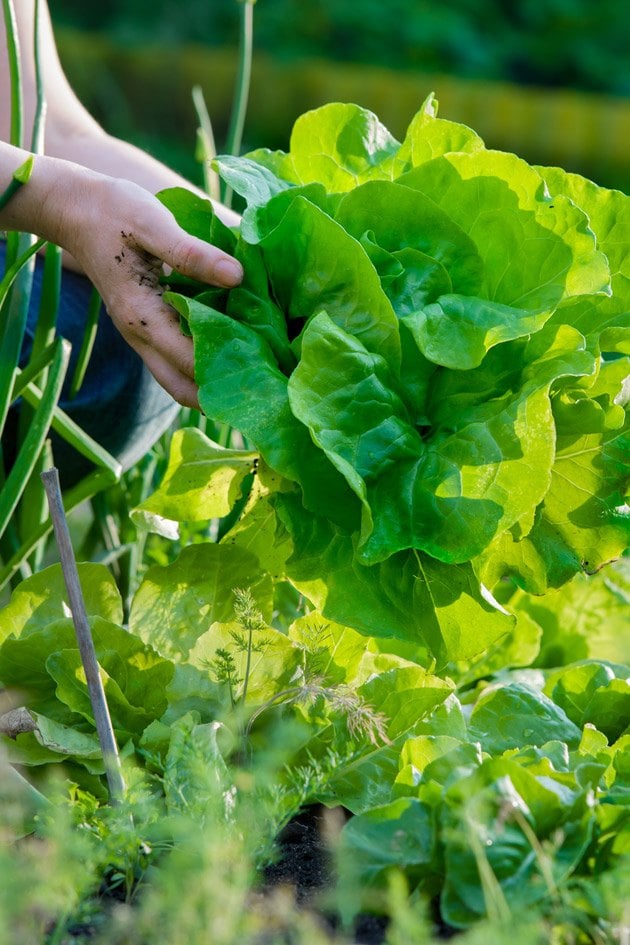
(429, 355)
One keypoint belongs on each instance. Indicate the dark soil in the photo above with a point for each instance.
(305, 864)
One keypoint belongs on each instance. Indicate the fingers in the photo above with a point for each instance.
(149, 322)
(152, 329)
(188, 254)
(198, 260)
(124, 260)
(181, 387)
(149, 325)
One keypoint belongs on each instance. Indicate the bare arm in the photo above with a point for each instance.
(93, 195)
(71, 132)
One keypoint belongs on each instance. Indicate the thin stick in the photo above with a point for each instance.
(104, 728)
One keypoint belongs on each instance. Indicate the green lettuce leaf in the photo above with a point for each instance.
(459, 493)
(65, 668)
(537, 251)
(399, 220)
(43, 598)
(608, 214)
(202, 481)
(196, 215)
(398, 835)
(314, 264)
(176, 604)
(404, 693)
(252, 304)
(512, 715)
(587, 617)
(409, 595)
(270, 667)
(584, 521)
(227, 349)
(44, 665)
(332, 650)
(490, 819)
(593, 692)
(339, 146)
(195, 774)
(256, 183)
(50, 742)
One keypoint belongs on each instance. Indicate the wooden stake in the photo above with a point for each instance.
(104, 728)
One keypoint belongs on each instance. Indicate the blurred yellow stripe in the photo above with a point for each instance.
(152, 85)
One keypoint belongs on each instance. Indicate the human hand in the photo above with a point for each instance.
(120, 235)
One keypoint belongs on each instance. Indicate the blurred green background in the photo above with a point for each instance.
(549, 79)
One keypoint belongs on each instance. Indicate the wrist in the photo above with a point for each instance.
(49, 203)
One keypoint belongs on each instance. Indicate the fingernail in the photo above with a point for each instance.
(229, 271)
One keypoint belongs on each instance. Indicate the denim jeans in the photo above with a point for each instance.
(120, 404)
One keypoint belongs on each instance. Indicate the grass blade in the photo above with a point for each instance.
(13, 323)
(206, 148)
(75, 436)
(87, 342)
(49, 302)
(13, 51)
(243, 81)
(39, 121)
(19, 177)
(31, 447)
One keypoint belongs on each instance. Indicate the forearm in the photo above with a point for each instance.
(71, 132)
(93, 195)
(86, 143)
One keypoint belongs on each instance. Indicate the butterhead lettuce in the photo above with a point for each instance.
(430, 352)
